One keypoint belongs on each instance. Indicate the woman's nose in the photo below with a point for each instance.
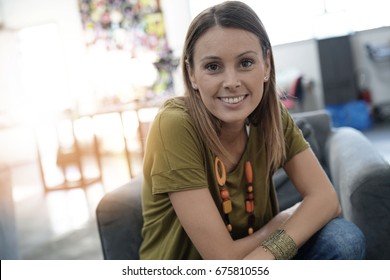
(231, 80)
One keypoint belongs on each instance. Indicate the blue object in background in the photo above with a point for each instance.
(355, 114)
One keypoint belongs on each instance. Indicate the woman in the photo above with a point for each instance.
(210, 157)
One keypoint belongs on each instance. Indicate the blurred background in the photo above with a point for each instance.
(80, 80)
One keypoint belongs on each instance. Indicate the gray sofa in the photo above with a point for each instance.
(359, 173)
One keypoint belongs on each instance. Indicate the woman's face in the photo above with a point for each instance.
(229, 72)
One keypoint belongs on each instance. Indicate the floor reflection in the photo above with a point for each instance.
(61, 224)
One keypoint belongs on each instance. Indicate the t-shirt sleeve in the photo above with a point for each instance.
(174, 156)
(294, 139)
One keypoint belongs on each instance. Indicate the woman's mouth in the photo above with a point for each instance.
(232, 100)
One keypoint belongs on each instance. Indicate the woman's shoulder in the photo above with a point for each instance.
(287, 119)
(175, 106)
(173, 115)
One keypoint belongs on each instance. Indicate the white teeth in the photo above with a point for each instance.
(232, 100)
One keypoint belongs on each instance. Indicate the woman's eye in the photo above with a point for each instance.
(212, 67)
(246, 63)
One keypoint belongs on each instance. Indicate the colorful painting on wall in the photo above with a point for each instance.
(135, 29)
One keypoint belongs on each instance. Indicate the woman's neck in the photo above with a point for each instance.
(234, 139)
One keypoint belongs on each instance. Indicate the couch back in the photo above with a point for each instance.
(120, 221)
(321, 125)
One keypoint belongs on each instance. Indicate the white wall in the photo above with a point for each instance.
(19, 14)
(1, 13)
(177, 19)
(16, 143)
(9, 81)
(303, 59)
(377, 74)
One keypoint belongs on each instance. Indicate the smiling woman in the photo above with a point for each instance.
(210, 156)
(227, 79)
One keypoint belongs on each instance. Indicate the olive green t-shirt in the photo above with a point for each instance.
(177, 159)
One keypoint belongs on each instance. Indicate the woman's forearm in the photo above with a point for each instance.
(257, 252)
(311, 215)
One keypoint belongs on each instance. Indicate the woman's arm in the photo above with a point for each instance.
(320, 203)
(202, 222)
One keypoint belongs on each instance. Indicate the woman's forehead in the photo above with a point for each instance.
(219, 40)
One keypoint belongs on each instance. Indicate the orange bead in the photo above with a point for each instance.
(249, 206)
(250, 189)
(250, 230)
(225, 194)
(248, 171)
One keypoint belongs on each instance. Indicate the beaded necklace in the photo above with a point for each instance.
(220, 172)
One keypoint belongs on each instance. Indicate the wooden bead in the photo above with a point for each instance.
(220, 173)
(227, 206)
(229, 227)
(219, 166)
(249, 206)
(225, 194)
(248, 171)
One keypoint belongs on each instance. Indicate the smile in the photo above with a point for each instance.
(232, 100)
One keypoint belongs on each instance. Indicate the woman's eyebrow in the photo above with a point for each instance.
(247, 52)
(210, 57)
(215, 57)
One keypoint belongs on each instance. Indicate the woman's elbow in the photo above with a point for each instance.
(335, 204)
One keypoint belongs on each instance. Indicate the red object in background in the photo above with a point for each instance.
(295, 94)
(365, 95)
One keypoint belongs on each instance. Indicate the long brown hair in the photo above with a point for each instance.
(267, 115)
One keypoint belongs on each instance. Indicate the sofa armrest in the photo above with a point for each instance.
(361, 177)
(119, 219)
